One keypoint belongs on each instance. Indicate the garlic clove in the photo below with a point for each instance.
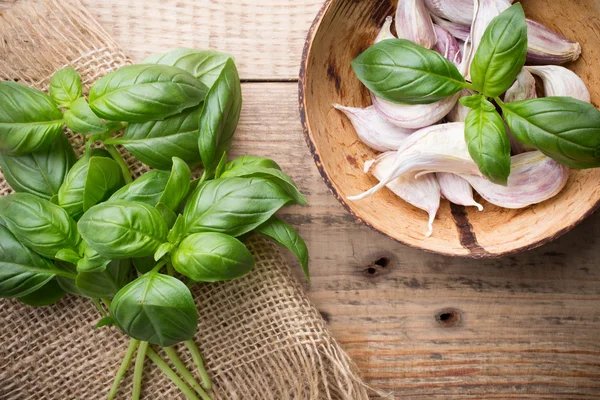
(414, 23)
(548, 47)
(458, 11)
(423, 193)
(459, 112)
(414, 116)
(534, 178)
(373, 130)
(456, 190)
(560, 81)
(447, 45)
(438, 148)
(386, 31)
(459, 31)
(523, 88)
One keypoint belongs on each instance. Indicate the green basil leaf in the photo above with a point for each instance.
(221, 166)
(178, 185)
(563, 128)
(162, 250)
(93, 179)
(220, 116)
(148, 188)
(167, 214)
(401, 71)
(144, 264)
(123, 229)
(252, 160)
(40, 173)
(68, 255)
(39, 224)
(104, 283)
(106, 321)
(65, 87)
(204, 65)
(286, 236)
(81, 119)
(145, 92)
(21, 270)
(156, 308)
(177, 232)
(91, 260)
(67, 283)
(29, 119)
(47, 295)
(155, 143)
(488, 142)
(212, 257)
(233, 206)
(274, 175)
(501, 53)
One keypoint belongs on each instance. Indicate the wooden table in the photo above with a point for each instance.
(419, 325)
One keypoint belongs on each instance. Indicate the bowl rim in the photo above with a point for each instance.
(308, 137)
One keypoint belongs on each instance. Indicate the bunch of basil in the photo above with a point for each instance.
(85, 227)
(563, 128)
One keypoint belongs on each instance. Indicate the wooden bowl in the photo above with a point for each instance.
(345, 28)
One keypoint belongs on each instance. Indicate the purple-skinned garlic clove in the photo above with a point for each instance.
(560, 81)
(373, 130)
(522, 89)
(534, 178)
(459, 31)
(458, 11)
(438, 148)
(423, 192)
(414, 23)
(447, 45)
(544, 46)
(456, 190)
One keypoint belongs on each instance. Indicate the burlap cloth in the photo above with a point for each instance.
(260, 336)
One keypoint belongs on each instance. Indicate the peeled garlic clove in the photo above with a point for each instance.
(560, 81)
(438, 148)
(534, 178)
(457, 190)
(423, 193)
(386, 31)
(447, 45)
(373, 130)
(459, 31)
(522, 89)
(459, 11)
(459, 113)
(414, 23)
(414, 116)
(544, 46)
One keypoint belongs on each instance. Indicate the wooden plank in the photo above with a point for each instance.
(530, 323)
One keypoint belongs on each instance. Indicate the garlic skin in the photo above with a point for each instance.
(459, 31)
(560, 81)
(373, 130)
(548, 47)
(459, 112)
(438, 148)
(386, 31)
(534, 178)
(447, 45)
(423, 193)
(459, 11)
(456, 190)
(414, 23)
(523, 88)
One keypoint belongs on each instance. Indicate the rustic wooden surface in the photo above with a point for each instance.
(419, 325)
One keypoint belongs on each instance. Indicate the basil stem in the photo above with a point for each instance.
(162, 365)
(116, 155)
(133, 344)
(197, 357)
(183, 371)
(138, 370)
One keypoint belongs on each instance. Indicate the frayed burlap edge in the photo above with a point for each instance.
(260, 336)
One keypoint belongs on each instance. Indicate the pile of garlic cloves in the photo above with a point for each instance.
(424, 153)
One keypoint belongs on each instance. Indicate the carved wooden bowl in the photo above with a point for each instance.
(345, 28)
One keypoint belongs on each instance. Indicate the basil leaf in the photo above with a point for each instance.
(148, 188)
(29, 119)
(286, 236)
(91, 260)
(276, 176)
(401, 71)
(487, 141)
(178, 185)
(204, 65)
(155, 143)
(252, 160)
(233, 206)
(563, 128)
(106, 321)
(40, 173)
(156, 308)
(221, 166)
(220, 116)
(177, 231)
(21, 270)
(104, 283)
(144, 264)
(123, 229)
(212, 257)
(47, 295)
(168, 215)
(501, 53)
(65, 87)
(39, 224)
(81, 119)
(145, 92)
(94, 178)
